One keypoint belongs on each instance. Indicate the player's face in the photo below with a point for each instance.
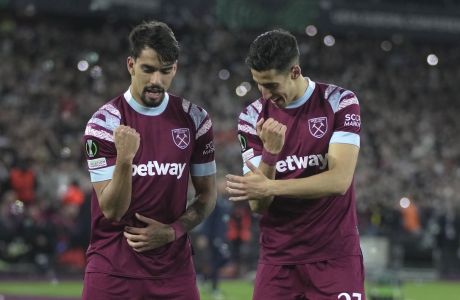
(276, 86)
(150, 78)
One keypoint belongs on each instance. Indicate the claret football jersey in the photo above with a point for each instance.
(176, 141)
(295, 231)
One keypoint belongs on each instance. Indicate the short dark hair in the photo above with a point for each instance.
(156, 35)
(276, 49)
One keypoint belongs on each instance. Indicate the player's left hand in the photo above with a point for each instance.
(255, 186)
(153, 236)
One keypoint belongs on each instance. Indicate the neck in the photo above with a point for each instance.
(301, 86)
(135, 97)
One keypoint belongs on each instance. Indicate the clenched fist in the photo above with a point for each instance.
(272, 133)
(127, 141)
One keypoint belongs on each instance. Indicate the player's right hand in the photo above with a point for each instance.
(127, 142)
(272, 133)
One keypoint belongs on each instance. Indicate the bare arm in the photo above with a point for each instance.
(157, 234)
(336, 180)
(272, 133)
(203, 205)
(114, 196)
(259, 206)
(342, 159)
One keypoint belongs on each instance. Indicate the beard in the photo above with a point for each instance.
(152, 96)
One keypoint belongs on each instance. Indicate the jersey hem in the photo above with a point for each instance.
(306, 261)
(141, 276)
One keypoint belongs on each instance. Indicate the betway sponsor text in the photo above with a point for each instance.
(153, 168)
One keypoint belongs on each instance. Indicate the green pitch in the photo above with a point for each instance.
(41, 288)
(231, 290)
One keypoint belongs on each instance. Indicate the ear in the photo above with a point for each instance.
(130, 65)
(174, 70)
(295, 71)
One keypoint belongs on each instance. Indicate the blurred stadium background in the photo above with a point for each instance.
(60, 60)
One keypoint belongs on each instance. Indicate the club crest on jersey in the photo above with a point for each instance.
(181, 137)
(318, 126)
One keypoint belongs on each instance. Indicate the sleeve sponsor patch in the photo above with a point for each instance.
(353, 120)
(97, 163)
(209, 148)
(247, 155)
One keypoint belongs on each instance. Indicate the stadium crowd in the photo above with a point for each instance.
(54, 74)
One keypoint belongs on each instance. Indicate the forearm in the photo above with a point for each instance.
(195, 213)
(262, 205)
(342, 159)
(115, 198)
(325, 184)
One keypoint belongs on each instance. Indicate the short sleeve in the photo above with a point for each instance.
(347, 124)
(251, 145)
(99, 145)
(202, 162)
